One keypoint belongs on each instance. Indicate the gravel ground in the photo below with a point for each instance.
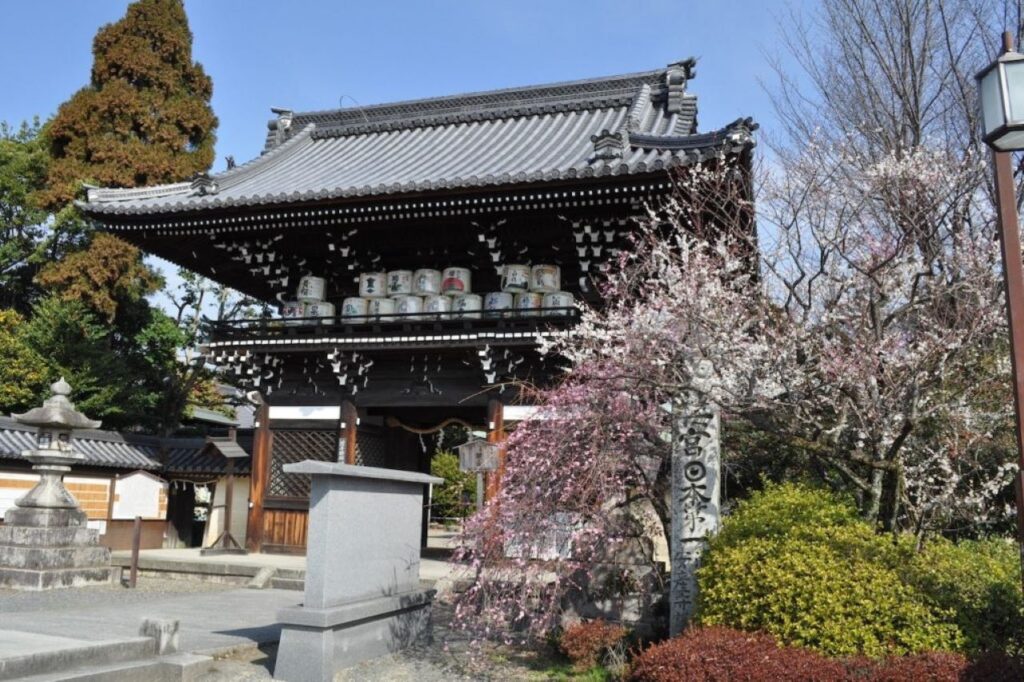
(16, 601)
(444, 660)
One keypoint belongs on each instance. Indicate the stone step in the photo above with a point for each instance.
(26, 536)
(288, 583)
(171, 668)
(48, 558)
(62, 656)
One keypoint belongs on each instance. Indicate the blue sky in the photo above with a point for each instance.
(310, 54)
(315, 54)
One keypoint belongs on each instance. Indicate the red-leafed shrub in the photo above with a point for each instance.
(716, 654)
(995, 666)
(932, 666)
(586, 643)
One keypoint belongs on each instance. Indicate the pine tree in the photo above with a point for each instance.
(145, 118)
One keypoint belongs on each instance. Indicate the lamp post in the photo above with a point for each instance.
(1001, 86)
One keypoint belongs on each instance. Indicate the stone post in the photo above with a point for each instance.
(696, 474)
(362, 595)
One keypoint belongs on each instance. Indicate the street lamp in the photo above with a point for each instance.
(1001, 87)
(1002, 112)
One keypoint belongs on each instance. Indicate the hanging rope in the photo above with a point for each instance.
(394, 422)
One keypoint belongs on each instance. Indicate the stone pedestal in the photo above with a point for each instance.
(362, 595)
(42, 549)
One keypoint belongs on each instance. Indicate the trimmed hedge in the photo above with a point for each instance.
(725, 655)
(716, 654)
(979, 582)
(797, 563)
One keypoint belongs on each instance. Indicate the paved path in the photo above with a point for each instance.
(209, 621)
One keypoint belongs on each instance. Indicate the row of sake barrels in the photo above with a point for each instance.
(461, 306)
(309, 301)
(454, 281)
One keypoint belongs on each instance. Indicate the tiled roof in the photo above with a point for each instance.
(101, 448)
(200, 460)
(620, 125)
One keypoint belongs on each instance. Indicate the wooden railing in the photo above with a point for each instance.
(383, 325)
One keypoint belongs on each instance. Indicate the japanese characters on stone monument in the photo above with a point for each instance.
(696, 466)
(44, 542)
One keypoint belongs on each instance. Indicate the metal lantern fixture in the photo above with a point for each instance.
(1001, 89)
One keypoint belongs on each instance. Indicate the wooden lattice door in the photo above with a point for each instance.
(286, 506)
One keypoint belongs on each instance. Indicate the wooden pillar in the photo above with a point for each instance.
(347, 429)
(259, 478)
(495, 434)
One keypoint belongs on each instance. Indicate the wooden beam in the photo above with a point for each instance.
(259, 477)
(348, 428)
(495, 434)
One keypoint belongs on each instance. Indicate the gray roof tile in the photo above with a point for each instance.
(503, 137)
(101, 448)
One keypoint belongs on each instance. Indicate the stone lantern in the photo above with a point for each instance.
(44, 542)
(53, 454)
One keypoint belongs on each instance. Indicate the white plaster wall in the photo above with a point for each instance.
(138, 494)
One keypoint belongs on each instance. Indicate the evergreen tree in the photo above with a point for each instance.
(145, 118)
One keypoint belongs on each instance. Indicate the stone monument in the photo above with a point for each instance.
(362, 596)
(44, 542)
(696, 477)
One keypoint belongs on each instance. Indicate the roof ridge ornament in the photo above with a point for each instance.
(280, 126)
(676, 75)
(203, 185)
(609, 145)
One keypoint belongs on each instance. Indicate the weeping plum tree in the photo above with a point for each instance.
(588, 480)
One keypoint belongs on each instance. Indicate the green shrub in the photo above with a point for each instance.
(448, 500)
(797, 563)
(785, 510)
(979, 581)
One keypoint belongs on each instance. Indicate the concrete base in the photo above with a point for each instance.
(44, 549)
(316, 643)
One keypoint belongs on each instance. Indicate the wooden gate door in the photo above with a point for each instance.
(286, 505)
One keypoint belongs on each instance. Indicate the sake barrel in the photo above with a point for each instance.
(497, 301)
(426, 282)
(311, 288)
(409, 307)
(545, 278)
(515, 278)
(434, 306)
(399, 282)
(556, 302)
(354, 307)
(381, 307)
(455, 281)
(292, 312)
(373, 284)
(529, 303)
(321, 309)
(467, 306)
